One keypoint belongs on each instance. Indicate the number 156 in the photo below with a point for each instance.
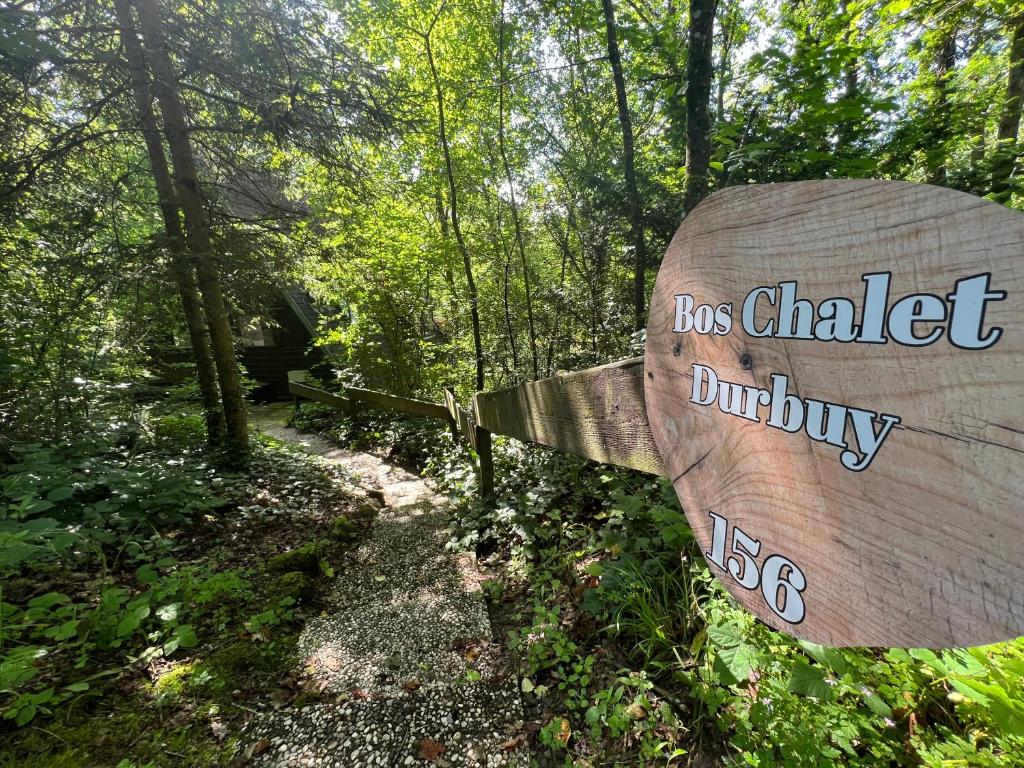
(781, 581)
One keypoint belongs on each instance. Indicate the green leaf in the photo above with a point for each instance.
(875, 702)
(65, 631)
(829, 657)
(930, 659)
(16, 553)
(168, 612)
(60, 494)
(186, 636)
(131, 620)
(40, 505)
(147, 575)
(25, 714)
(736, 662)
(810, 681)
(724, 634)
(43, 696)
(49, 600)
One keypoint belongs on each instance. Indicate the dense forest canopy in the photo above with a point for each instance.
(477, 193)
(428, 195)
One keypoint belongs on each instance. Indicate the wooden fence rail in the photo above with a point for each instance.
(597, 413)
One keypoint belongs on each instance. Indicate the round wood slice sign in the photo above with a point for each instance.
(834, 377)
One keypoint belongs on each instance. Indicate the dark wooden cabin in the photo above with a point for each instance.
(270, 350)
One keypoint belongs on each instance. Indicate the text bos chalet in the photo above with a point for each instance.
(915, 320)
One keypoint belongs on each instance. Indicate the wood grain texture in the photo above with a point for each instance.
(924, 547)
(306, 392)
(396, 403)
(452, 405)
(485, 461)
(597, 413)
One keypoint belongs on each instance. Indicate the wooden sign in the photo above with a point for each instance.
(834, 377)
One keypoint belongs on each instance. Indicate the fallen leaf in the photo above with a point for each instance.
(636, 711)
(430, 750)
(258, 748)
(564, 732)
(514, 743)
(281, 696)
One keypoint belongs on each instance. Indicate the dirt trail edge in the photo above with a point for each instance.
(392, 649)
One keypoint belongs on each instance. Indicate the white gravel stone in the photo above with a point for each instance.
(398, 617)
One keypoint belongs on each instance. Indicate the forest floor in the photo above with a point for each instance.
(304, 611)
(401, 654)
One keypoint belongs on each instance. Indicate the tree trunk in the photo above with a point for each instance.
(699, 70)
(553, 337)
(453, 209)
(1009, 121)
(197, 223)
(636, 211)
(181, 269)
(512, 192)
(935, 153)
(501, 253)
(846, 131)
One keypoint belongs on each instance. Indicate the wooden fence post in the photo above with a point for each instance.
(482, 443)
(453, 410)
(300, 377)
(483, 452)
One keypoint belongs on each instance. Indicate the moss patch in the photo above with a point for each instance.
(298, 586)
(343, 530)
(240, 661)
(120, 737)
(304, 559)
(176, 679)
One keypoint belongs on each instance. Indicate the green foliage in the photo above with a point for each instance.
(307, 559)
(412, 442)
(108, 508)
(614, 544)
(319, 130)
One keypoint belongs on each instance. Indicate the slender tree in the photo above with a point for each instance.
(197, 222)
(1009, 120)
(636, 211)
(699, 70)
(453, 202)
(181, 267)
(944, 59)
(524, 263)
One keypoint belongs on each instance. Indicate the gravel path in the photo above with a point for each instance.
(401, 653)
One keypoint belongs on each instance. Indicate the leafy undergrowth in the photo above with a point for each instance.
(629, 653)
(143, 596)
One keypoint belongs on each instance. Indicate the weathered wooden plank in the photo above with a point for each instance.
(453, 414)
(467, 427)
(756, 412)
(482, 444)
(396, 403)
(320, 396)
(597, 413)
